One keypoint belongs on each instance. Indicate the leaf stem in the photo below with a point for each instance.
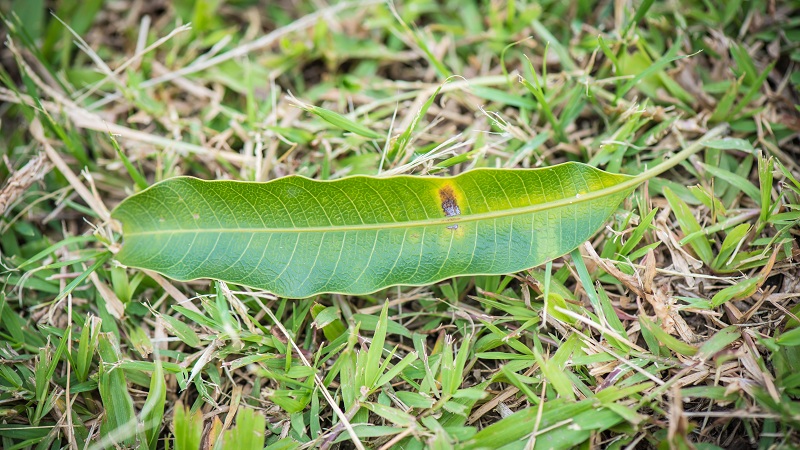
(696, 146)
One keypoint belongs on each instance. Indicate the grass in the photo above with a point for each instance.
(675, 327)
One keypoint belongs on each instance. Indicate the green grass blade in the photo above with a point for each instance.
(120, 419)
(153, 409)
(689, 225)
(188, 428)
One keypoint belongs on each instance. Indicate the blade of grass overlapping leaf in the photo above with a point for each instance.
(742, 289)
(396, 369)
(328, 319)
(607, 51)
(638, 233)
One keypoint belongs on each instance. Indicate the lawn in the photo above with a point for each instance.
(667, 319)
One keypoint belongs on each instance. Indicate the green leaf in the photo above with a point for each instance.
(369, 322)
(745, 63)
(296, 237)
(32, 14)
(754, 89)
(367, 430)
(765, 178)
(638, 233)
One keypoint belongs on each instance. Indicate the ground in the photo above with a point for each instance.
(674, 326)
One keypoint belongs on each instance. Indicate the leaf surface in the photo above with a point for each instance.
(298, 237)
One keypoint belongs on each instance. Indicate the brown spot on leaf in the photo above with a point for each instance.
(449, 203)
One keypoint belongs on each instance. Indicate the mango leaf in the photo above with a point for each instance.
(298, 237)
